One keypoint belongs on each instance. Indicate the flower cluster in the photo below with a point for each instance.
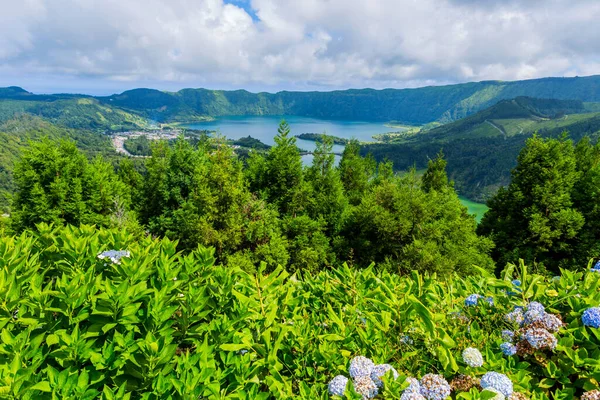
(540, 338)
(591, 317)
(337, 386)
(114, 255)
(591, 395)
(379, 371)
(536, 330)
(596, 267)
(413, 391)
(515, 316)
(508, 349)
(508, 335)
(472, 300)
(366, 378)
(497, 381)
(434, 387)
(464, 383)
(472, 357)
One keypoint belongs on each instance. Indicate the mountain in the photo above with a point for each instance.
(410, 106)
(482, 149)
(67, 111)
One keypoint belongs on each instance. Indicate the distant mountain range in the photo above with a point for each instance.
(410, 106)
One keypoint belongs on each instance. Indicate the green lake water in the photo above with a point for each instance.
(474, 208)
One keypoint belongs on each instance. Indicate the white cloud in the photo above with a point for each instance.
(109, 45)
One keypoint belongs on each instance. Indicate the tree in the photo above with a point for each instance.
(435, 177)
(283, 179)
(402, 227)
(329, 202)
(56, 184)
(535, 217)
(355, 172)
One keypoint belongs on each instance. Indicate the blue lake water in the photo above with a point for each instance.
(264, 128)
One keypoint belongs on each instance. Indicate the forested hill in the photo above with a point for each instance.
(413, 106)
(482, 149)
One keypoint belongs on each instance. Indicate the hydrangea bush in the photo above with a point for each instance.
(158, 324)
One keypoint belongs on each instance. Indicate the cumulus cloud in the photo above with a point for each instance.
(104, 45)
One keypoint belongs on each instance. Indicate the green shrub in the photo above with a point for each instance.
(159, 324)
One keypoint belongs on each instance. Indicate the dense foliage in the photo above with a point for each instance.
(275, 210)
(138, 146)
(416, 106)
(78, 321)
(56, 184)
(482, 149)
(16, 134)
(76, 113)
(549, 212)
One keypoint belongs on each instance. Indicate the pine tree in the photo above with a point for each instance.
(535, 218)
(329, 201)
(355, 172)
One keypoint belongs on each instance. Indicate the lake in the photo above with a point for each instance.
(474, 208)
(264, 128)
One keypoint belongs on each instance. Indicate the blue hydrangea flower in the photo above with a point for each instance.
(497, 381)
(413, 385)
(516, 282)
(114, 255)
(405, 339)
(591, 317)
(596, 267)
(534, 305)
(540, 338)
(406, 395)
(508, 335)
(472, 357)
(551, 322)
(337, 386)
(515, 316)
(365, 386)
(361, 366)
(508, 349)
(380, 370)
(556, 278)
(435, 387)
(490, 300)
(532, 316)
(472, 300)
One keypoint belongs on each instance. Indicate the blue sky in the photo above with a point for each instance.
(107, 46)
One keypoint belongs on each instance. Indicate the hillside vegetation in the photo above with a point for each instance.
(88, 313)
(411, 106)
(482, 149)
(16, 134)
(76, 113)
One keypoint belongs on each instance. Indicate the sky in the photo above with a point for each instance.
(108, 46)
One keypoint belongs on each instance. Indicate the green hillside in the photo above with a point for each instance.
(482, 148)
(76, 112)
(411, 106)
